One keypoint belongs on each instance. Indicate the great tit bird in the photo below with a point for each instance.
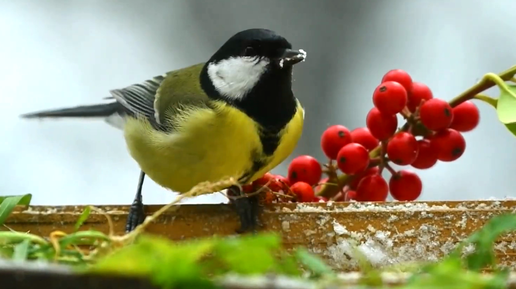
(233, 116)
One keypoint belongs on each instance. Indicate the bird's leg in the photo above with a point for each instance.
(247, 208)
(136, 214)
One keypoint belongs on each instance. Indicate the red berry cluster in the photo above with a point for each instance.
(433, 133)
(298, 187)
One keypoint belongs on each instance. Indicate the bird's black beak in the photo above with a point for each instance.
(291, 56)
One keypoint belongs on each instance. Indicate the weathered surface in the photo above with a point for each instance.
(386, 233)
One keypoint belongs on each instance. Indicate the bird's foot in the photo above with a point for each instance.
(136, 215)
(247, 208)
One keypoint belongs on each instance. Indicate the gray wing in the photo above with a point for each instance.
(138, 100)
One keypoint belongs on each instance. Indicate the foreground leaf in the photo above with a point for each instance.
(447, 273)
(8, 204)
(13, 237)
(313, 263)
(249, 254)
(87, 237)
(506, 107)
(166, 263)
(484, 239)
(84, 216)
(287, 265)
(511, 127)
(498, 280)
(21, 251)
(25, 201)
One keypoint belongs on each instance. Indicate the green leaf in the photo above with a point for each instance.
(511, 127)
(8, 204)
(449, 272)
(184, 260)
(25, 201)
(13, 237)
(287, 265)
(506, 107)
(489, 100)
(484, 239)
(6, 252)
(249, 254)
(136, 259)
(21, 251)
(84, 216)
(88, 237)
(313, 263)
(445, 274)
(498, 280)
(166, 263)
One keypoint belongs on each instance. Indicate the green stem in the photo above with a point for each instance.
(383, 151)
(487, 99)
(484, 84)
(489, 80)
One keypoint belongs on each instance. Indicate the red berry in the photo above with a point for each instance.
(266, 178)
(363, 136)
(353, 158)
(449, 144)
(333, 139)
(279, 183)
(358, 177)
(269, 197)
(303, 191)
(382, 126)
(400, 76)
(465, 117)
(304, 169)
(402, 149)
(405, 186)
(247, 189)
(436, 114)
(372, 188)
(418, 93)
(427, 155)
(350, 195)
(390, 97)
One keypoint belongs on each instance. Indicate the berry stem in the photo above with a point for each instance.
(375, 162)
(383, 151)
(406, 113)
(484, 84)
(329, 169)
(489, 80)
(390, 169)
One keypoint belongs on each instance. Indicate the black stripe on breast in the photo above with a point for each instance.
(270, 141)
(258, 164)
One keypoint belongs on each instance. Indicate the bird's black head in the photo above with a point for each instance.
(249, 58)
(260, 43)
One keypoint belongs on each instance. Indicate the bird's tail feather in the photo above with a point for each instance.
(95, 110)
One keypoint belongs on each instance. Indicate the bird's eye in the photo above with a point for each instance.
(249, 51)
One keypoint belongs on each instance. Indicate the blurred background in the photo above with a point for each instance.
(64, 53)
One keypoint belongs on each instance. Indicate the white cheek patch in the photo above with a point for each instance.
(236, 76)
